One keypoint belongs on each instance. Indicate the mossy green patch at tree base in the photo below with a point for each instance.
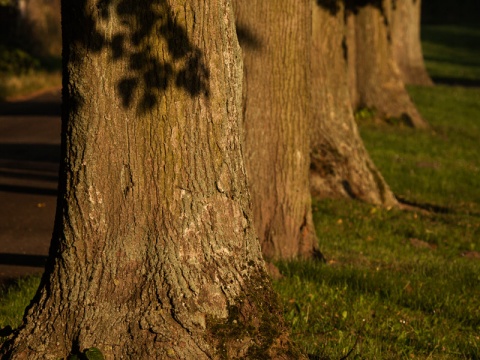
(254, 328)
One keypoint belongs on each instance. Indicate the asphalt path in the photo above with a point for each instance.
(29, 158)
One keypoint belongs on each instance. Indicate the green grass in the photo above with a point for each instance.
(442, 166)
(397, 284)
(13, 300)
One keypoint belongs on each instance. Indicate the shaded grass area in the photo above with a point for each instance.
(452, 54)
(450, 12)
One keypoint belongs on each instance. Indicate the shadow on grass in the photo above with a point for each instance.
(456, 82)
(452, 36)
(425, 206)
(435, 209)
(455, 52)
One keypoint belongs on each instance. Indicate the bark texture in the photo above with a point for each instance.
(374, 74)
(154, 255)
(275, 39)
(406, 44)
(340, 164)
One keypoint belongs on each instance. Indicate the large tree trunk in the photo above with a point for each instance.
(406, 45)
(154, 254)
(377, 80)
(341, 166)
(275, 38)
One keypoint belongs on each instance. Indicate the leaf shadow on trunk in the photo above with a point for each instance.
(147, 76)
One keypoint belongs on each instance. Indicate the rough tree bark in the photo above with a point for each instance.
(406, 45)
(275, 38)
(340, 164)
(374, 74)
(153, 254)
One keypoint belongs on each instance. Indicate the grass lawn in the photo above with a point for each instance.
(397, 284)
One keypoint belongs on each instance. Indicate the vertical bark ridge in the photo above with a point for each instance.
(275, 38)
(406, 44)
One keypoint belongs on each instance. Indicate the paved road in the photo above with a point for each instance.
(29, 156)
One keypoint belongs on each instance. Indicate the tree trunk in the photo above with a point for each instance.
(153, 254)
(378, 82)
(275, 38)
(340, 164)
(406, 45)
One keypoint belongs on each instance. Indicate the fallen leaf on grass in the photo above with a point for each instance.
(471, 254)
(408, 288)
(428, 165)
(422, 244)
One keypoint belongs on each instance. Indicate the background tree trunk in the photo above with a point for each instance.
(406, 45)
(153, 254)
(377, 78)
(350, 50)
(275, 38)
(341, 166)
(40, 26)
